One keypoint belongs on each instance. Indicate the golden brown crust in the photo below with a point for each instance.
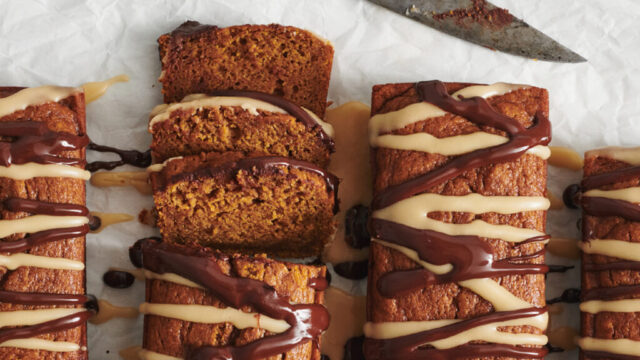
(173, 337)
(524, 177)
(210, 201)
(608, 325)
(280, 60)
(67, 115)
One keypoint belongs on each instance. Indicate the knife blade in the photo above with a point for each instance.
(483, 23)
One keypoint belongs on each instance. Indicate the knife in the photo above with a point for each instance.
(483, 23)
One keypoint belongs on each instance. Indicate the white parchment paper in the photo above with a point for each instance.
(70, 42)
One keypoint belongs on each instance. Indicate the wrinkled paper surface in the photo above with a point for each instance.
(70, 42)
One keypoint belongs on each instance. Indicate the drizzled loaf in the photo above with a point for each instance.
(611, 255)
(251, 203)
(43, 223)
(458, 219)
(183, 320)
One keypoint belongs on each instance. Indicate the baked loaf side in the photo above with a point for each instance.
(167, 331)
(274, 59)
(42, 198)
(244, 203)
(610, 307)
(458, 221)
(244, 121)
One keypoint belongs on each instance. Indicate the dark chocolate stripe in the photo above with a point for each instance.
(605, 355)
(42, 237)
(406, 347)
(618, 265)
(307, 321)
(36, 143)
(471, 258)
(293, 110)
(261, 165)
(480, 112)
(612, 293)
(463, 352)
(45, 208)
(600, 180)
(127, 157)
(601, 206)
(42, 299)
(63, 323)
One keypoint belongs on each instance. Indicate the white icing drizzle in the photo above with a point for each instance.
(613, 346)
(31, 170)
(35, 96)
(159, 167)
(33, 317)
(629, 155)
(630, 194)
(213, 315)
(195, 102)
(41, 344)
(34, 223)
(454, 145)
(413, 212)
(488, 332)
(615, 248)
(596, 306)
(15, 261)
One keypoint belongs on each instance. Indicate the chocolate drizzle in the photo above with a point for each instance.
(130, 157)
(34, 142)
(307, 321)
(479, 111)
(46, 236)
(294, 110)
(469, 256)
(612, 293)
(606, 356)
(408, 346)
(570, 296)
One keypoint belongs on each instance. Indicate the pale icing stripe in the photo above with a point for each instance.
(35, 96)
(615, 248)
(198, 101)
(32, 170)
(448, 146)
(41, 344)
(629, 155)
(145, 354)
(631, 194)
(596, 306)
(476, 227)
(171, 277)
(488, 289)
(15, 261)
(33, 317)
(159, 167)
(34, 223)
(212, 315)
(488, 332)
(613, 346)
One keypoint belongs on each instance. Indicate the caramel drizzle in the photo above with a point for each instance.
(307, 321)
(465, 253)
(479, 111)
(36, 143)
